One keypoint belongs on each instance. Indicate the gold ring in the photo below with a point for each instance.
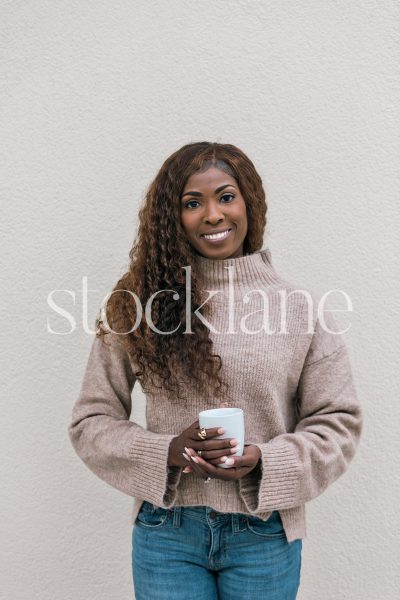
(207, 480)
(202, 433)
(199, 452)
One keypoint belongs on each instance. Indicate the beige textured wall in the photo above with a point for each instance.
(95, 96)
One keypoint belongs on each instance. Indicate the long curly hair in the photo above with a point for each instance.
(157, 257)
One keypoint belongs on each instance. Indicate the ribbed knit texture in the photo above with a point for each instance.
(295, 388)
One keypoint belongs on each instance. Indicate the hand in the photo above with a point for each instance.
(212, 449)
(241, 465)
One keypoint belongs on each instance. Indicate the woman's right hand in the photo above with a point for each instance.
(211, 449)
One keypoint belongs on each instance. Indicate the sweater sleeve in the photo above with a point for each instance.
(117, 450)
(296, 467)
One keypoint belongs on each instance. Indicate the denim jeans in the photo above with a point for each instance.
(196, 552)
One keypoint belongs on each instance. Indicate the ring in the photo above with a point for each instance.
(207, 480)
(199, 452)
(202, 433)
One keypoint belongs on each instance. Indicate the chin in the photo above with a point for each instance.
(220, 253)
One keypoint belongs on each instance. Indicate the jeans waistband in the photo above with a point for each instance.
(205, 514)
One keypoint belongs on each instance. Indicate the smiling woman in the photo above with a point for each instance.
(215, 222)
(202, 189)
(240, 535)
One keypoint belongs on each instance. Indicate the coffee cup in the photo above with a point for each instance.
(231, 419)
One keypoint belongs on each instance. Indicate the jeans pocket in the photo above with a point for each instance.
(272, 528)
(151, 516)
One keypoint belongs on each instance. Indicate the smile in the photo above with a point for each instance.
(216, 237)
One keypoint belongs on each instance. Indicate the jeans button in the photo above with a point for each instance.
(213, 514)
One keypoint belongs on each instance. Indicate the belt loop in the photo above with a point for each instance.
(239, 522)
(235, 522)
(177, 516)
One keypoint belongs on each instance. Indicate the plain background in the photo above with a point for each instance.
(95, 96)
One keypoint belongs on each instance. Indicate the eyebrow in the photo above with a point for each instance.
(219, 189)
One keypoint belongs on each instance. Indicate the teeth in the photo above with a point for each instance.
(217, 236)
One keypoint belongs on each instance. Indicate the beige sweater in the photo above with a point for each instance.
(296, 390)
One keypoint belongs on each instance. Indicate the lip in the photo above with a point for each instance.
(228, 229)
(214, 231)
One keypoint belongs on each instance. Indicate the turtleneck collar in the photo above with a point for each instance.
(249, 271)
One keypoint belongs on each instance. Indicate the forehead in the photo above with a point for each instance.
(209, 178)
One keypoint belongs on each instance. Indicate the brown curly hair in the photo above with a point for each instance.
(157, 257)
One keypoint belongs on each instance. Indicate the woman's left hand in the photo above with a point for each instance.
(241, 465)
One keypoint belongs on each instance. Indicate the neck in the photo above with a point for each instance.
(244, 272)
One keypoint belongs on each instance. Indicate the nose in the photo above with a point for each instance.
(213, 213)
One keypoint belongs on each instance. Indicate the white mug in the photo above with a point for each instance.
(232, 419)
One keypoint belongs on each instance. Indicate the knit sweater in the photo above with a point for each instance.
(293, 382)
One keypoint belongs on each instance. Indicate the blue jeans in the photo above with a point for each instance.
(196, 552)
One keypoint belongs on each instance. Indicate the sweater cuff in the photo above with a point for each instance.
(155, 481)
(273, 483)
(174, 477)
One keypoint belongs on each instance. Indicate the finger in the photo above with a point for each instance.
(216, 457)
(229, 474)
(218, 454)
(226, 444)
(186, 456)
(207, 468)
(211, 432)
(198, 471)
(240, 461)
(217, 461)
(190, 453)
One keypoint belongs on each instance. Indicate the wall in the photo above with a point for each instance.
(95, 96)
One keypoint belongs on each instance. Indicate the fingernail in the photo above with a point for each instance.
(186, 456)
(187, 470)
(195, 459)
(187, 451)
(229, 461)
(233, 442)
(221, 430)
(235, 449)
(223, 458)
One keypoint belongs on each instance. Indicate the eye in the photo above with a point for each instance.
(190, 202)
(229, 195)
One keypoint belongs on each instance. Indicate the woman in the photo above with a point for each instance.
(201, 318)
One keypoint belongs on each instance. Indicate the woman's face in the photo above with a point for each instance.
(211, 202)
